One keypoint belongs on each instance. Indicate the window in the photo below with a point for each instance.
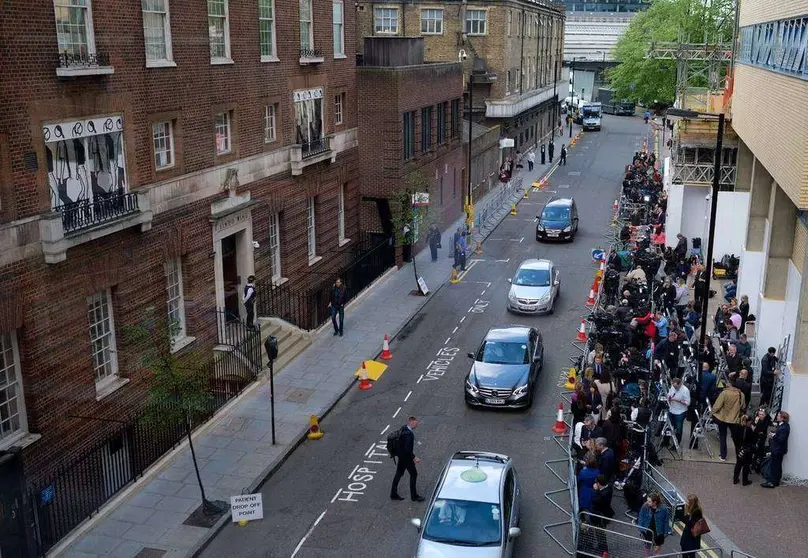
(102, 337)
(409, 135)
(432, 22)
(219, 30)
(442, 123)
(275, 247)
(338, 8)
(510, 21)
(475, 22)
(163, 136)
(266, 30)
(156, 31)
(518, 24)
(455, 118)
(309, 120)
(223, 139)
(426, 129)
(306, 26)
(269, 124)
(508, 83)
(339, 108)
(74, 30)
(518, 82)
(310, 227)
(341, 213)
(385, 20)
(527, 73)
(175, 298)
(13, 421)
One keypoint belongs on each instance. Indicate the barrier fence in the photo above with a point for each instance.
(510, 192)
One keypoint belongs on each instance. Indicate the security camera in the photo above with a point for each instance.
(255, 244)
(462, 55)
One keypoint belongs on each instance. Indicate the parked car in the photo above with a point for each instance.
(558, 220)
(505, 368)
(474, 510)
(534, 288)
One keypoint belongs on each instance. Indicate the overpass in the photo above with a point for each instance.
(592, 36)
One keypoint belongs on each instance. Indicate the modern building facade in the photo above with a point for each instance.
(512, 48)
(774, 158)
(609, 6)
(153, 155)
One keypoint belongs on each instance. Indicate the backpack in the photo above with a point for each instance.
(393, 445)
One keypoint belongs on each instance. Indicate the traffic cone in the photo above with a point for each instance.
(590, 301)
(478, 251)
(386, 354)
(454, 279)
(571, 378)
(560, 427)
(364, 383)
(513, 209)
(615, 207)
(315, 433)
(526, 193)
(582, 332)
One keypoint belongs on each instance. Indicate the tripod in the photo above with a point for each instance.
(704, 425)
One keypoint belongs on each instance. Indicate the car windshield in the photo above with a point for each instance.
(464, 523)
(556, 213)
(591, 112)
(532, 278)
(500, 352)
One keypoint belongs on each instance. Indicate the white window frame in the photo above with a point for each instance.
(273, 46)
(311, 229)
(270, 123)
(111, 359)
(88, 22)
(168, 59)
(434, 16)
(339, 109)
(338, 28)
(175, 302)
(226, 59)
(8, 346)
(341, 214)
(275, 248)
(158, 135)
(382, 15)
(226, 125)
(510, 22)
(310, 22)
(481, 24)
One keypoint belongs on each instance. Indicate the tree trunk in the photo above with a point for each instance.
(208, 508)
(414, 267)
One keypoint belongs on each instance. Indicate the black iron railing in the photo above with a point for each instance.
(311, 53)
(312, 148)
(85, 213)
(233, 332)
(68, 60)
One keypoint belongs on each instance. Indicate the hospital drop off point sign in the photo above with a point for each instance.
(247, 507)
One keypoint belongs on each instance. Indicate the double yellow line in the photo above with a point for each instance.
(711, 553)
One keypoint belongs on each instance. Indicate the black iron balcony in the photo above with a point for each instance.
(83, 64)
(84, 213)
(316, 147)
(311, 55)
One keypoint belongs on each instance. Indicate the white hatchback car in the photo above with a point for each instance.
(474, 511)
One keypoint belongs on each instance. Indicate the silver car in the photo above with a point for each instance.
(534, 288)
(474, 511)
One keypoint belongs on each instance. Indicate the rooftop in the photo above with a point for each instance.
(455, 487)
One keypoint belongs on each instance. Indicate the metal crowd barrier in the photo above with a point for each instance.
(496, 204)
(654, 480)
(713, 552)
(598, 535)
(739, 554)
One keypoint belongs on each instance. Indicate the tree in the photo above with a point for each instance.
(644, 80)
(411, 222)
(178, 390)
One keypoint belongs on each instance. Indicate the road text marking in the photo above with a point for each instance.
(386, 428)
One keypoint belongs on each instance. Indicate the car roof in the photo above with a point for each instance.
(559, 202)
(493, 465)
(508, 333)
(536, 264)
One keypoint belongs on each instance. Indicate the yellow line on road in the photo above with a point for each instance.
(468, 268)
(711, 553)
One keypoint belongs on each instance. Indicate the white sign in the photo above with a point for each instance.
(74, 129)
(247, 507)
(420, 199)
(422, 286)
(506, 142)
(308, 94)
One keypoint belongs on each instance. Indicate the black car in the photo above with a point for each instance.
(506, 367)
(558, 220)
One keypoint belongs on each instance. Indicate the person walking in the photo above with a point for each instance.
(542, 154)
(337, 306)
(249, 301)
(434, 241)
(455, 241)
(654, 517)
(727, 414)
(778, 445)
(461, 252)
(550, 149)
(407, 460)
(746, 453)
(531, 159)
(564, 154)
(678, 403)
(695, 527)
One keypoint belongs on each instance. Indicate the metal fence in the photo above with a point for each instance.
(739, 554)
(654, 481)
(497, 204)
(712, 552)
(599, 535)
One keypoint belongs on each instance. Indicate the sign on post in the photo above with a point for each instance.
(247, 507)
(422, 286)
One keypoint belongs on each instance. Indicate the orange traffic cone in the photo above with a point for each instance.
(560, 427)
(364, 383)
(386, 354)
(582, 332)
(590, 301)
(615, 207)
(595, 284)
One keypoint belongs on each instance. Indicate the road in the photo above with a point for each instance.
(331, 497)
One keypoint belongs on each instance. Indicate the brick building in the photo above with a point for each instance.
(514, 48)
(153, 155)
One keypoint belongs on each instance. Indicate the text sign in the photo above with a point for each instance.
(247, 507)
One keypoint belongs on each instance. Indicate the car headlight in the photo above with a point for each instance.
(545, 296)
(511, 296)
(471, 388)
(568, 229)
(540, 227)
(521, 390)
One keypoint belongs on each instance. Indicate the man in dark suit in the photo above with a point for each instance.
(406, 461)
(606, 459)
(778, 445)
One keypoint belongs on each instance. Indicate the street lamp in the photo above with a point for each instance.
(572, 88)
(719, 144)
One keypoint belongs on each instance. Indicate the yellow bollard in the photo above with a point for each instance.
(571, 379)
(479, 250)
(526, 192)
(455, 279)
(513, 209)
(315, 433)
(243, 522)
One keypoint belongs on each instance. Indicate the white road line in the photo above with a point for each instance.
(462, 319)
(470, 309)
(386, 428)
(408, 396)
(303, 540)
(535, 219)
(504, 261)
(352, 472)
(447, 340)
(482, 293)
(515, 240)
(455, 329)
(334, 499)
(419, 379)
(521, 240)
(397, 412)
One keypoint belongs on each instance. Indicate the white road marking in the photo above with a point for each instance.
(535, 219)
(303, 540)
(447, 340)
(521, 240)
(419, 379)
(408, 396)
(516, 240)
(471, 308)
(503, 261)
(455, 329)
(386, 428)
(334, 499)
(482, 293)
(462, 319)
(397, 412)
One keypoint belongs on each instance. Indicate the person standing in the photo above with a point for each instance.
(768, 371)
(550, 149)
(542, 154)
(249, 301)
(727, 414)
(461, 252)
(654, 517)
(337, 306)
(778, 445)
(564, 154)
(694, 528)
(678, 403)
(407, 460)
(531, 159)
(746, 452)
(434, 241)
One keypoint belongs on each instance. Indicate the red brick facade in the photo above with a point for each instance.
(47, 303)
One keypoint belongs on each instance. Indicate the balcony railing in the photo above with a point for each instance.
(84, 213)
(702, 173)
(83, 64)
(316, 147)
(311, 55)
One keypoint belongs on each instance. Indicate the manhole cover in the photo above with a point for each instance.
(298, 395)
(151, 553)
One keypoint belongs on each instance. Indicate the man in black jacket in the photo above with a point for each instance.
(337, 306)
(406, 460)
(768, 370)
(778, 445)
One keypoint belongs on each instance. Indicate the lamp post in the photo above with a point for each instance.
(271, 347)
(469, 207)
(572, 89)
(719, 144)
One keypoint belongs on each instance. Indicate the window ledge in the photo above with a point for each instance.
(85, 71)
(23, 441)
(181, 342)
(306, 60)
(314, 260)
(279, 281)
(270, 58)
(161, 64)
(221, 61)
(109, 386)
(340, 57)
(344, 241)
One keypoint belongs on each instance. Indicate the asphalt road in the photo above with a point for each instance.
(331, 497)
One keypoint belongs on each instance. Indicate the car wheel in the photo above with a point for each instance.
(552, 307)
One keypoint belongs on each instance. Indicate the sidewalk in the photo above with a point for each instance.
(234, 449)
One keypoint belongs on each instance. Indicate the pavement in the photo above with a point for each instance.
(235, 451)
